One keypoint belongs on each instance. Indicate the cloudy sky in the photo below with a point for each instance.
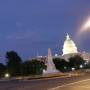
(28, 26)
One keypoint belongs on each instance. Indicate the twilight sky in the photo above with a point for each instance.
(28, 26)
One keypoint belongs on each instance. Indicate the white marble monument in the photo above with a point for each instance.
(50, 64)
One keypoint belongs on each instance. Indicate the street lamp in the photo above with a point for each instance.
(44, 71)
(7, 75)
(81, 66)
(85, 63)
(65, 67)
(73, 69)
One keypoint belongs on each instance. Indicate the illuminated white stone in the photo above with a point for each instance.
(69, 46)
(50, 65)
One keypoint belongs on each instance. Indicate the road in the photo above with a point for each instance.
(68, 83)
(79, 85)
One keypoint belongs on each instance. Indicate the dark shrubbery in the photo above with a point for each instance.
(32, 67)
(61, 64)
(76, 62)
(15, 67)
(2, 69)
(13, 63)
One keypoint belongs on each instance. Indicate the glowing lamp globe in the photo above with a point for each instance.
(7, 75)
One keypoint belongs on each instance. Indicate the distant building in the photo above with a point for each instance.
(69, 46)
(40, 58)
(69, 50)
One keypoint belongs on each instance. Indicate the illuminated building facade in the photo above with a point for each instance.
(69, 46)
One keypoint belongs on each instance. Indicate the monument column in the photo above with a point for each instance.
(50, 65)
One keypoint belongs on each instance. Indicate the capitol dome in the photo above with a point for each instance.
(69, 46)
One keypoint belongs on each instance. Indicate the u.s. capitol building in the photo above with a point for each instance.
(69, 50)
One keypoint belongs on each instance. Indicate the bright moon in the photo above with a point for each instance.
(85, 27)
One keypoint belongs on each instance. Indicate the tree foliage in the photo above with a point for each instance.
(76, 61)
(33, 67)
(15, 67)
(61, 64)
(13, 63)
(2, 69)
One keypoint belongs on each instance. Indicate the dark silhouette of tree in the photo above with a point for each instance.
(33, 67)
(2, 69)
(61, 64)
(26, 68)
(87, 64)
(76, 61)
(13, 63)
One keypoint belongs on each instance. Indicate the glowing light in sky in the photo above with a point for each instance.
(85, 27)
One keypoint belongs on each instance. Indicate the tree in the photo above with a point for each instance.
(2, 69)
(33, 67)
(87, 64)
(76, 61)
(61, 64)
(13, 63)
(26, 68)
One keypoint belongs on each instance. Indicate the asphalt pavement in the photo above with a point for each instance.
(67, 83)
(79, 85)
